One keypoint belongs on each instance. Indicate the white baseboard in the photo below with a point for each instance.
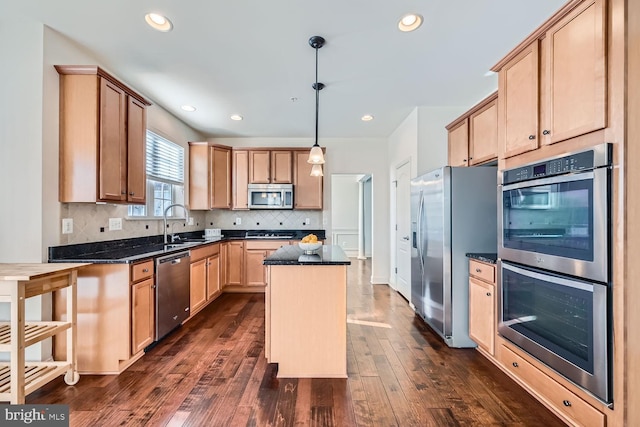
(379, 281)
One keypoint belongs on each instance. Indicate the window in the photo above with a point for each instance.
(165, 179)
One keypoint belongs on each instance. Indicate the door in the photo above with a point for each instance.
(403, 230)
(136, 151)
(459, 144)
(259, 167)
(113, 142)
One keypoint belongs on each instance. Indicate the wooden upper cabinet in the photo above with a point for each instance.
(473, 137)
(220, 176)
(554, 88)
(209, 176)
(270, 167)
(259, 167)
(281, 170)
(576, 82)
(136, 151)
(483, 134)
(240, 181)
(307, 189)
(459, 143)
(519, 103)
(102, 138)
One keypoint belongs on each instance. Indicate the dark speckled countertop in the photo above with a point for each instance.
(293, 255)
(126, 251)
(485, 257)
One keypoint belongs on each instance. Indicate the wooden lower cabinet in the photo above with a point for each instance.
(255, 253)
(205, 276)
(235, 263)
(482, 304)
(142, 315)
(567, 404)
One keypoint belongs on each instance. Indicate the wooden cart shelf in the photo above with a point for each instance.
(17, 283)
(34, 332)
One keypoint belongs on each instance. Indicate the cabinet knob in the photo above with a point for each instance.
(546, 132)
(566, 403)
(123, 192)
(478, 270)
(488, 294)
(145, 270)
(515, 364)
(131, 194)
(532, 137)
(470, 158)
(464, 160)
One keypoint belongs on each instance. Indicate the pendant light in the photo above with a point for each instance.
(316, 158)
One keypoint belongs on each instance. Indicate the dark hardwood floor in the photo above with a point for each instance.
(212, 372)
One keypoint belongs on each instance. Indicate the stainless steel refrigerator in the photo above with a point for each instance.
(453, 212)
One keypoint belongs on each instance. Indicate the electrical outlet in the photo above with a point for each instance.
(190, 222)
(238, 221)
(307, 221)
(67, 225)
(115, 224)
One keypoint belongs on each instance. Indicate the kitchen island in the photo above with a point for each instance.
(306, 312)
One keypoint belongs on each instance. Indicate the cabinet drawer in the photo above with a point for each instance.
(204, 251)
(141, 270)
(265, 244)
(486, 272)
(563, 400)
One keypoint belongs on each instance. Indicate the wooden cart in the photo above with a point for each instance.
(18, 282)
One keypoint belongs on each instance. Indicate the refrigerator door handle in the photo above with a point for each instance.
(419, 230)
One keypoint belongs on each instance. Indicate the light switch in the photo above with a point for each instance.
(67, 225)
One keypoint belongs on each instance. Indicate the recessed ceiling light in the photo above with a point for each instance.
(158, 22)
(410, 22)
(236, 117)
(367, 118)
(189, 108)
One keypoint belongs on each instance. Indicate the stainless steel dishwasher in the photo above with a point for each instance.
(172, 291)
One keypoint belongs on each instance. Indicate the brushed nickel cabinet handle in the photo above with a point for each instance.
(566, 403)
(515, 364)
(145, 270)
(546, 132)
(488, 294)
(532, 137)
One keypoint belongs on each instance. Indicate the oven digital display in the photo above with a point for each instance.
(540, 170)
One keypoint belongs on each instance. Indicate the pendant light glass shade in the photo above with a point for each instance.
(315, 156)
(316, 170)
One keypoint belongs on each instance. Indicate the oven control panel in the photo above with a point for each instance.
(584, 160)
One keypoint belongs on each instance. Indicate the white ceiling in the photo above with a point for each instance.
(251, 57)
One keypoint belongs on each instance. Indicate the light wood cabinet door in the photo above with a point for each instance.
(136, 151)
(235, 263)
(213, 276)
(240, 181)
(459, 144)
(483, 134)
(575, 74)
(113, 143)
(198, 285)
(518, 122)
(198, 176)
(307, 189)
(223, 265)
(142, 315)
(281, 170)
(259, 166)
(482, 316)
(255, 271)
(220, 174)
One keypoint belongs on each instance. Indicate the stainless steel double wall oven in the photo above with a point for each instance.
(555, 264)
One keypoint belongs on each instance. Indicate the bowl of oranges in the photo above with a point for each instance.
(310, 243)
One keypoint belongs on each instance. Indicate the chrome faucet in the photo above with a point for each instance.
(186, 218)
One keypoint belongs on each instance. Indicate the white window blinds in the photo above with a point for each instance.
(165, 159)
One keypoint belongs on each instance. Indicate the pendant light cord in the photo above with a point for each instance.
(317, 98)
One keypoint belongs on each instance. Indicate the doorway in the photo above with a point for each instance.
(403, 230)
(351, 214)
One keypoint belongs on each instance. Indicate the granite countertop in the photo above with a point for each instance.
(293, 255)
(484, 257)
(126, 251)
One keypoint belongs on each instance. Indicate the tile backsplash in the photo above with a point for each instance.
(284, 219)
(89, 219)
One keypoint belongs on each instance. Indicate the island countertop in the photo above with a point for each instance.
(293, 255)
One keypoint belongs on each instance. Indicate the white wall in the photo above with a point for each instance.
(433, 137)
(347, 156)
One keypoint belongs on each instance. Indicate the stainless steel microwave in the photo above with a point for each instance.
(270, 196)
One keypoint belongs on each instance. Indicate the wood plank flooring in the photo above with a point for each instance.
(212, 372)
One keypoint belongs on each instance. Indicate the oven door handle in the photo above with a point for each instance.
(552, 180)
(572, 283)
